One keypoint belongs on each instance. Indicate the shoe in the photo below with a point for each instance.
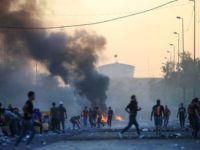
(141, 137)
(120, 135)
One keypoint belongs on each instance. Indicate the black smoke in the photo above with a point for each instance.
(72, 57)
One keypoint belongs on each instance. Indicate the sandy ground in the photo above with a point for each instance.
(125, 145)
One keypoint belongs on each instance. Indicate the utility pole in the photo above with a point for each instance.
(194, 82)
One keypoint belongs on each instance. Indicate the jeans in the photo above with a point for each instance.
(55, 124)
(166, 120)
(109, 121)
(85, 119)
(14, 127)
(132, 121)
(182, 121)
(62, 122)
(27, 127)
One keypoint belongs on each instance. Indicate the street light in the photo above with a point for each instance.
(178, 35)
(194, 8)
(183, 36)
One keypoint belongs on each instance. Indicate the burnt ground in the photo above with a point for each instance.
(109, 139)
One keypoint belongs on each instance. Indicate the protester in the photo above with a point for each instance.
(37, 119)
(132, 110)
(85, 114)
(54, 117)
(75, 120)
(157, 113)
(194, 116)
(27, 125)
(110, 116)
(62, 113)
(167, 114)
(182, 114)
(11, 119)
(94, 117)
(99, 117)
(91, 117)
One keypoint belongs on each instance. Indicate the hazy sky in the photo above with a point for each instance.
(140, 40)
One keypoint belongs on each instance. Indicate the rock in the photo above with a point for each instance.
(145, 130)
(175, 145)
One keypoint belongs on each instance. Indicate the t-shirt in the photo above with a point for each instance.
(85, 113)
(28, 110)
(182, 111)
(133, 109)
(61, 112)
(167, 112)
(110, 112)
(54, 113)
(158, 110)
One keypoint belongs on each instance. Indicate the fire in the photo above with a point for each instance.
(119, 118)
(104, 118)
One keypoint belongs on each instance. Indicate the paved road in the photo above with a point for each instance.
(109, 139)
(125, 145)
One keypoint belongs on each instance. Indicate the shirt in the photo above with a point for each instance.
(28, 110)
(182, 111)
(61, 112)
(158, 110)
(133, 108)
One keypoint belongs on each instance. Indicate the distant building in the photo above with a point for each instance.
(123, 84)
(117, 70)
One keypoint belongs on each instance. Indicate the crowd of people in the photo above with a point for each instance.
(16, 124)
(161, 116)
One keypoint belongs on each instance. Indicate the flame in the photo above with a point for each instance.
(119, 118)
(104, 118)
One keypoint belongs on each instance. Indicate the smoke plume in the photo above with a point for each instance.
(71, 57)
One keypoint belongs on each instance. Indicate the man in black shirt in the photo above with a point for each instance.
(182, 115)
(132, 109)
(54, 117)
(110, 116)
(62, 113)
(27, 126)
(158, 113)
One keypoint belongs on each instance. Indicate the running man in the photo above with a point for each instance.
(182, 114)
(132, 110)
(158, 113)
(27, 125)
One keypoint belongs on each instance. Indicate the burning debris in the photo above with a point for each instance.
(119, 118)
(71, 57)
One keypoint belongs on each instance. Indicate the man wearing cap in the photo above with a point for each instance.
(62, 113)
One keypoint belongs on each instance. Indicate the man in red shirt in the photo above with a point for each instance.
(158, 113)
